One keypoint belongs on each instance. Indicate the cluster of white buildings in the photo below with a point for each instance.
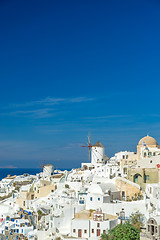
(81, 204)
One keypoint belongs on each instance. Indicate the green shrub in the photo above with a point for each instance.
(124, 231)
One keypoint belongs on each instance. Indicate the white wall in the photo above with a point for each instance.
(86, 224)
(82, 224)
(129, 207)
(97, 154)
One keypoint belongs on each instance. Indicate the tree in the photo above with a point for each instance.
(104, 236)
(124, 231)
(136, 219)
(39, 212)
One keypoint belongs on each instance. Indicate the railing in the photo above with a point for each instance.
(124, 218)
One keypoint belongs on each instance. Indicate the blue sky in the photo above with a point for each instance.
(73, 68)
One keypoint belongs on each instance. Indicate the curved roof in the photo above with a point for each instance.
(98, 144)
(149, 141)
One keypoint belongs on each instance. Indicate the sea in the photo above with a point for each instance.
(4, 172)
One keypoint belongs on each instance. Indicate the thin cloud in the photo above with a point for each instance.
(41, 108)
(8, 166)
(106, 117)
(38, 113)
(80, 99)
(48, 101)
(71, 146)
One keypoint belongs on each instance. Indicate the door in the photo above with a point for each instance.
(98, 232)
(79, 232)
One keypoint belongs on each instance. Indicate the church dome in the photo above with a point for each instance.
(149, 141)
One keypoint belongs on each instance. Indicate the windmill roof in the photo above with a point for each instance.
(98, 144)
(106, 157)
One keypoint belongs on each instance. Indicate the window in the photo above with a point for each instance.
(99, 199)
(74, 230)
(147, 177)
(104, 231)
(98, 225)
(126, 156)
(92, 230)
(90, 198)
(38, 191)
(24, 203)
(85, 230)
(151, 161)
(52, 190)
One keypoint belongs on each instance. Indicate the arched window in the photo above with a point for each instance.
(152, 226)
(137, 177)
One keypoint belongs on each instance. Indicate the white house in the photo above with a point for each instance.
(100, 194)
(91, 224)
